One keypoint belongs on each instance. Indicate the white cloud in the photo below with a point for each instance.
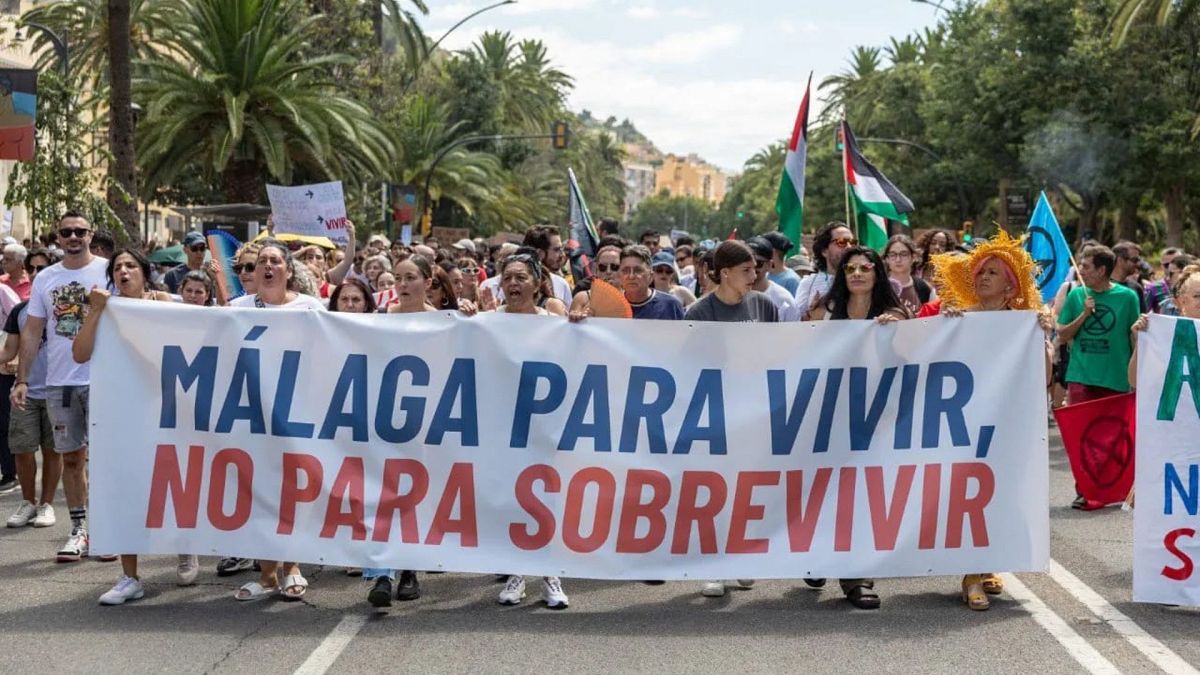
(650, 11)
(688, 47)
(643, 12)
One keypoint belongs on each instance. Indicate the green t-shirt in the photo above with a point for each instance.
(1101, 349)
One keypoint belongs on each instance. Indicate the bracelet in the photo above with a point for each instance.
(24, 382)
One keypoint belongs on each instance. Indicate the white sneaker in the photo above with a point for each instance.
(552, 593)
(514, 591)
(127, 588)
(188, 570)
(45, 516)
(713, 589)
(745, 583)
(24, 515)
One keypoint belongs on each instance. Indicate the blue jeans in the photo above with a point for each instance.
(376, 572)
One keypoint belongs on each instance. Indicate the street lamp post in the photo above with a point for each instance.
(958, 186)
(417, 69)
(60, 45)
(933, 3)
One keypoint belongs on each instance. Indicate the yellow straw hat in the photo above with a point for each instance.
(954, 275)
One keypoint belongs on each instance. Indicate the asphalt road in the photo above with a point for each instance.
(1077, 618)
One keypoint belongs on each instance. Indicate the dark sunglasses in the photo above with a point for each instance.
(681, 258)
(244, 267)
(605, 267)
(68, 232)
(196, 248)
(35, 268)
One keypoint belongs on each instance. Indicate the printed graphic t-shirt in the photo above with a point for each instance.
(1101, 349)
(60, 296)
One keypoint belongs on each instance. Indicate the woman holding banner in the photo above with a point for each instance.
(860, 291)
(734, 270)
(128, 272)
(275, 286)
(526, 291)
(998, 275)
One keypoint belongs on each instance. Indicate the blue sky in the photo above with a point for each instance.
(721, 79)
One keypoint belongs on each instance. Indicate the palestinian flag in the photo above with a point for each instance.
(790, 202)
(875, 199)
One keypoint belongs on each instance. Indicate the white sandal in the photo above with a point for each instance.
(290, 581)
(254, 591)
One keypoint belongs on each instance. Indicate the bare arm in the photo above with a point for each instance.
(31, 342)
(1067, 331)
(85, 341)
(12, 344)
(338, 274)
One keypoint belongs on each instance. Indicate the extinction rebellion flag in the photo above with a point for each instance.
(790, 202)
(876, 200)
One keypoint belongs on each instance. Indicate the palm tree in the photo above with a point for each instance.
(907, 50)
(463, 177)
(84, 23)
(532, 92)
(851, 92)
(1132, 12)
(238, 99)
(122, 188)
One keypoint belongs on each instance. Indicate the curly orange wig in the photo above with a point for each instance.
(954, 275)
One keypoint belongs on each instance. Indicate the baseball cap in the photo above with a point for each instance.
(192, 238)
(465, 245)
(663, 259)
(778, 241)
(760, 247)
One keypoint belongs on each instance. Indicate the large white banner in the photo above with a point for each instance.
(1167, 469)
(609, 449)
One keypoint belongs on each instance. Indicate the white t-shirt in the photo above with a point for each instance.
(562, 290)
(60, 296)
(301, 301)
(784, 302)
(811, 288)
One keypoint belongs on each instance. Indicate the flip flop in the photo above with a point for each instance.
(254, 591)
(294, 581)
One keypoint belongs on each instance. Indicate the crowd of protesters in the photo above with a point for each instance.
(51, 300)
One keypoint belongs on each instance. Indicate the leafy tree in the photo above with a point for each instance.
(238, 98)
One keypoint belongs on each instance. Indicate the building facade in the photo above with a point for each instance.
(691, 176)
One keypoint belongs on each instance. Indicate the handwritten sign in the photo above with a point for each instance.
(317, 210)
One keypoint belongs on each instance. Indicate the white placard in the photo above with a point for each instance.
(317, 210)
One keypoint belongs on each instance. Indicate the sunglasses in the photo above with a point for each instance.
(68, 232)
(862, 268)
(663, 270)
(681, 259)
(196, 248)
(36, 268)
(605, 267)
(248, 268)
(845, 243)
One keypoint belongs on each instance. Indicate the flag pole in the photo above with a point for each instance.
(846, 179)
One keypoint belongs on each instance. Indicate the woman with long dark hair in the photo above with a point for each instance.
(129, 274)
(933, 242)
(861, 290)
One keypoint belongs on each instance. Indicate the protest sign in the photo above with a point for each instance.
(1167, 479)
(608, 449)
(317, 210)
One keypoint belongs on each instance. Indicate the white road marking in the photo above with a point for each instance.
(321, 658)
(1079, 649)
(1151, 648)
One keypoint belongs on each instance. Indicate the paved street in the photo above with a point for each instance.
(51, 622)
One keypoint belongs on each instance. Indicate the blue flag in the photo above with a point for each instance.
(1048, 248)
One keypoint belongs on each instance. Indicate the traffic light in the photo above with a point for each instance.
(562, 135)
(968, 230)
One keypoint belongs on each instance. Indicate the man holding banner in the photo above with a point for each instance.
(1096, 318)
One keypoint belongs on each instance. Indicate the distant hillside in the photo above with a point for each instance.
(624, 131)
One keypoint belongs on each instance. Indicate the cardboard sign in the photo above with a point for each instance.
(317, 210)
